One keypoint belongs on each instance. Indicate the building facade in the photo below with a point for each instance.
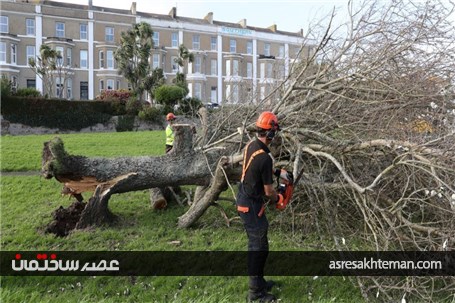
(233, 62)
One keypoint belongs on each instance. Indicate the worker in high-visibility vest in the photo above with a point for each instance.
(170, 118)
(257, 183)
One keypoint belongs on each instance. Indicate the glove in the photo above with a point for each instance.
(287, 176)
(281, 189)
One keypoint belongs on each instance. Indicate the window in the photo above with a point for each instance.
(60, 29)
(110, 60)
(31, 83)
(197, 64)
(59, 50)
(249, 70)
(233, 45)
(101, 57)
(59, 82)
(249, 47)
(198, 90)
(69, 89)
(30, 49)
(117, 85)
(3, 52)
(155, 61)
(235, 67)
(174, 65)
(4, 24)
(110, 84)
(213, 43)
(297, 51)
(30, 27)
(13, 54)
(69, 59)
(281, 72)
(175, 39)
(228, 67)
(84, 90)
(83, 31)
(228, 92)
(109, 33)
(14, 83)
(156, 39)
(196, 42)
(213, 95)
(235, 93)
(83, 59)
(267, 49)
(281, 51)
(269, 70)
(213, 66)
(101, 85)
(262, 70)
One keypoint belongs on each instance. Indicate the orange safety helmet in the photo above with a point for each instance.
(170, 117)
(267, 121)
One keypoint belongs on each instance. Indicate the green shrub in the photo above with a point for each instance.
(27, 92)
(62, 114)
(5, 87)
(133, 107)
(189, 106)
(169, 95)
(125, 123)
(150, 114)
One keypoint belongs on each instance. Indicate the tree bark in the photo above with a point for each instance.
(224, 171)
(182, 166)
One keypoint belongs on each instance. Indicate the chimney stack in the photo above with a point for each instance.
(90, 4)
(133, 8)
(209, 17)
(272, 28)
(242, 23)
(173, 12)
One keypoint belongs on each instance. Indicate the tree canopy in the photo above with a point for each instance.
(133, 55)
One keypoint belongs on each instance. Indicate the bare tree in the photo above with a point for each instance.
(368, 114)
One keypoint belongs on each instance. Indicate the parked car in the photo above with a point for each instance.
(212, 106)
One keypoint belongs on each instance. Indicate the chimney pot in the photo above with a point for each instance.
(242, 23)
(209, 17)
(273, 28)
(173, 12)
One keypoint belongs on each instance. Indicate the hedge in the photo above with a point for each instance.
(61, 114)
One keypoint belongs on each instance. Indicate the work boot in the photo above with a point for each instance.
(269, 285)
(261, 297)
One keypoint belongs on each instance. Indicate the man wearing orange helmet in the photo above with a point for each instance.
(170, 118)
(257, 182)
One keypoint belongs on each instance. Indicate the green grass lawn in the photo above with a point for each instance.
(28, 201)
(23, 153)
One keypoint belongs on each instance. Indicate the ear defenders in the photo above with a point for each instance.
(270, 134)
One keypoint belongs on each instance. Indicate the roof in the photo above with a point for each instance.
(169, 18)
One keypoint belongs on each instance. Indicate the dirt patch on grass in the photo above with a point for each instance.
(65, 219)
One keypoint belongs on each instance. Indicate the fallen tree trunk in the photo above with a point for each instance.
(182, 166)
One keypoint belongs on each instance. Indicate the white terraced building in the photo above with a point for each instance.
(233, 61)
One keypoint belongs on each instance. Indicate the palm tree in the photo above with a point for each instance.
(184, 55)
(133, 55)
(44, 66)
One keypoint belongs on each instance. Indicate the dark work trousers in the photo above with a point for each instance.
(258, 245)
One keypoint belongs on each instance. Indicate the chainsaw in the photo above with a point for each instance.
(286, 188)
